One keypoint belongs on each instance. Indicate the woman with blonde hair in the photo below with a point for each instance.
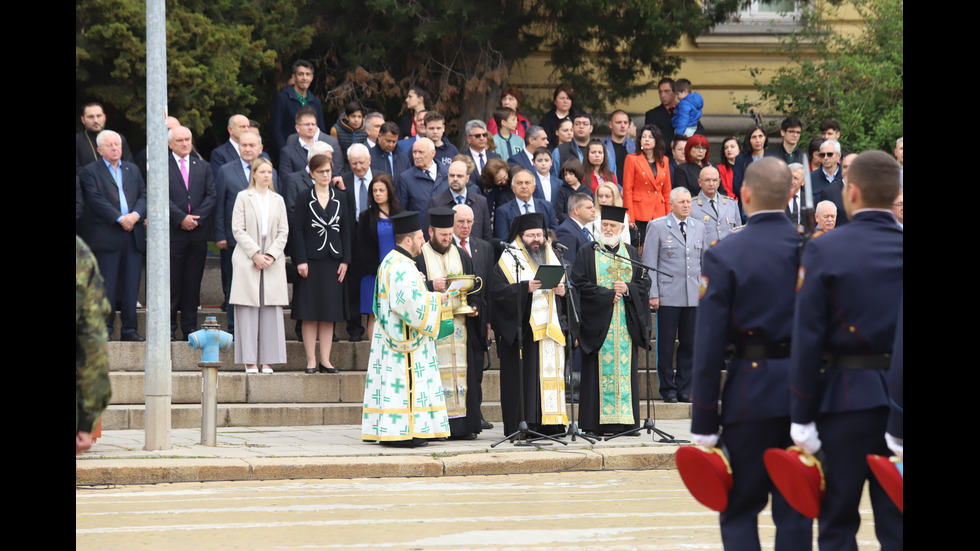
(260, 225)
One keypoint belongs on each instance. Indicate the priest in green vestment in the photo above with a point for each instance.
(615, 328)
(404, 403)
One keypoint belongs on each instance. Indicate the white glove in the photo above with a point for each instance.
(895, 445)
(806, 437)
(706, 440)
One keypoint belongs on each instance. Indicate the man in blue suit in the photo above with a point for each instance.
(748, 287)
(460, 192)
(420, 183)
(848, 294)
(828, 180)
(192, 204)
(572, 233)
(231, 179)
(386, 157)
(112, 225)
(524, 203)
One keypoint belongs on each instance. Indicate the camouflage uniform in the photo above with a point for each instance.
(92, 389)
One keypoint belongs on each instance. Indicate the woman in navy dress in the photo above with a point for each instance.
(375, 238)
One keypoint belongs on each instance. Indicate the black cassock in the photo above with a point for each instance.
(507, 298)
(596, 308)
(470, 424)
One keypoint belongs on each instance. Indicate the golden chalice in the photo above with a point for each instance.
(468, 282)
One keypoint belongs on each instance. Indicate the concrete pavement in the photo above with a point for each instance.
(336, 451)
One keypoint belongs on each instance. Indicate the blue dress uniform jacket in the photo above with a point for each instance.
(850, 289)
(748, 286)
(716, 226)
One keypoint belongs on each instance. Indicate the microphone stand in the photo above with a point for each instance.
(522, 432)
(573, 429)
(648, 424)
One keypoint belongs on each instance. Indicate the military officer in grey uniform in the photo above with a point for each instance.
(719, 213)
(675, 245)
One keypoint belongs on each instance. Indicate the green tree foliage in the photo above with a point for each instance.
(220, 54)
(463, 51)
(856, 80)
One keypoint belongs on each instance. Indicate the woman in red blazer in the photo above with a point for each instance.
(646, 181)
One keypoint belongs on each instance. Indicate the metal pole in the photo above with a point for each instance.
(209, 403)
(157, 385)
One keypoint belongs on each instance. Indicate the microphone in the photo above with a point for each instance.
(559, 247)
(502, 245)
(596, 245)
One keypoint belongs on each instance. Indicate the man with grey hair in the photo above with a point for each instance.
(826, 216)
(418, 184)
(372, 125)
(523, 186)
(86, 149)
(355, 184)
(115, 206)
(675, 244)
(535, 137)
(795, 204)
(827, 181)
(193, 198)
(476, 137)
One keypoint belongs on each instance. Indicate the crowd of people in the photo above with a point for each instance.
(382, 219)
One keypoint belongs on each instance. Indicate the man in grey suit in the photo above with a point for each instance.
(292, 157)
(476, 137)
(232, 178)
(675, 245)
(534, 138)
(719, 213)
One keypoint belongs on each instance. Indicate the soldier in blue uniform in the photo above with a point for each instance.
(848, 295)
(719, 213)
(747, 294)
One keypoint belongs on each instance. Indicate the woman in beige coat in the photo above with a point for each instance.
(260, 224)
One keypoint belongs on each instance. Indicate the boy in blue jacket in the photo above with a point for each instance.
(688, 110)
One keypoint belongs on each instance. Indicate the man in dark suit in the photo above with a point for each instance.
(356, 183)
(577, 148)
(112, 225)
(231, 179)
(828, 180)
(847, 303)
(289, 101)
(418, 184)
(572, 232)
(292, 156)
(524, 202)
(228, 151)
(661, 115)
(484, 258)
(476, 137)
(192, 201)
(461, 193)
(386, 156)
(534, 138)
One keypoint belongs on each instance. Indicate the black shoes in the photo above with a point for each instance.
(686, 398)
(670, 398)
(485, 425)
(131, 337)
(324, 369)
(411, 443)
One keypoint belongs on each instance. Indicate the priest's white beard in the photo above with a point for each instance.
(609, 240)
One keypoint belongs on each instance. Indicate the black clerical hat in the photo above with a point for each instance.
(406, 222)
(524, 222)
(441, 217)
(613, 213)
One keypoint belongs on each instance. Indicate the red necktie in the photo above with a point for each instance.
(462, 243)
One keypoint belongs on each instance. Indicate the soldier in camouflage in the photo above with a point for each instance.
(92, 389)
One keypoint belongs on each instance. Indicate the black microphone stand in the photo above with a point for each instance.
(648, 424)
(573, 429)
(522, 432)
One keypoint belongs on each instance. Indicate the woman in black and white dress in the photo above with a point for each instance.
(321, 253)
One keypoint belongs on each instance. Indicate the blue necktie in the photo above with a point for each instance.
(527, 208)
(588, 236)
(459, 199)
